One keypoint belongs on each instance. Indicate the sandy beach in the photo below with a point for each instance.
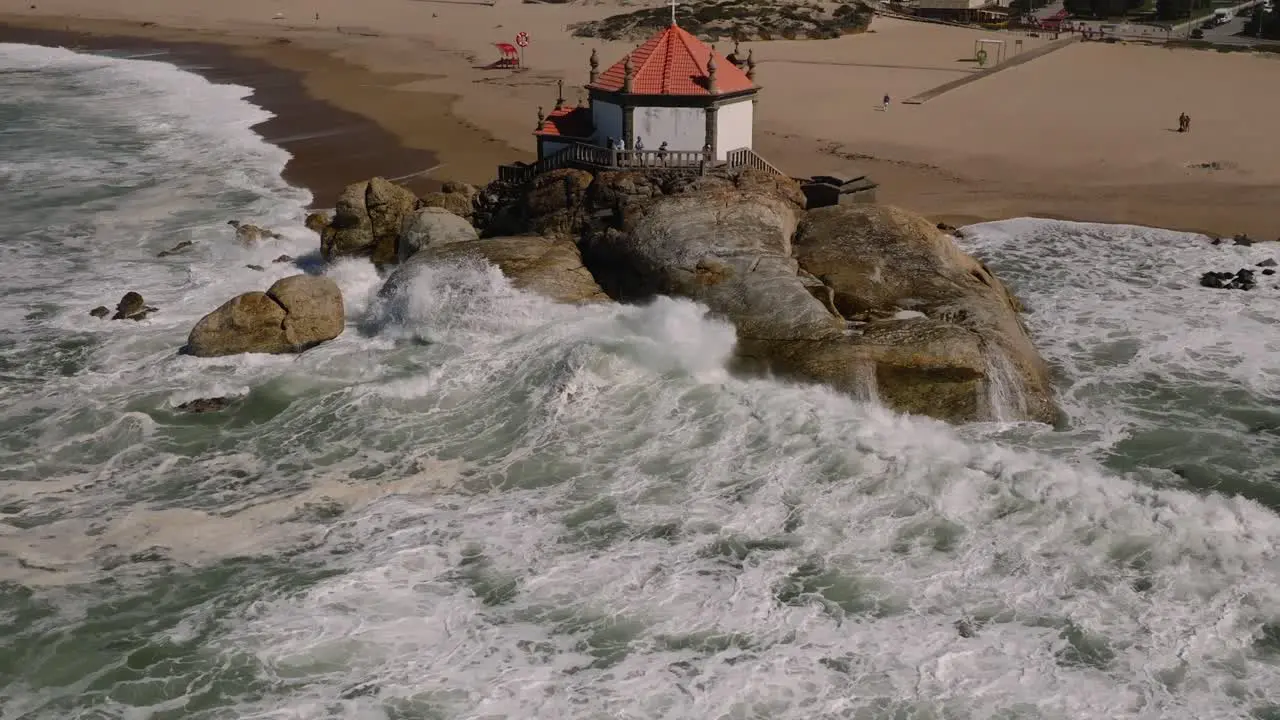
(1082, 133)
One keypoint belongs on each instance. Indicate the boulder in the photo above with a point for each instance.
(296, 313)
(205, 405)
(1242, 279)
(100, 312)
(430, 226)
(175, 249)
(1267, 263)
(317, 222)
(551, 267)
(132, 307)
(554, 202)
(728, 248)
(457, 197)
(878, 261)
(249, 235)
(367, 221)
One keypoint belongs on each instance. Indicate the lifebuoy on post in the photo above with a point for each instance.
(522, 39)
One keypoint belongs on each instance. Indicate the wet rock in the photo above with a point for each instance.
(259, 268)
(1269, 262)
(317, 222)
(205, 405)
(551, 267)
(965, 628)
(367, 221)
(1242, 239)
(458, 198)
(1269, 271)
(283, 259)
(247, 234)
(432, 226)
(132, 307)
(175, 249)
(294, 314)
(100, 312)
(1242, 279)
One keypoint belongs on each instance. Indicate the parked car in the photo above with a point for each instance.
(1197, 34)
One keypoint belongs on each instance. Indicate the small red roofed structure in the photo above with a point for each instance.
(674, 92)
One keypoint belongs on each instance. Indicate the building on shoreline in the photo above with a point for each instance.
(672, 103)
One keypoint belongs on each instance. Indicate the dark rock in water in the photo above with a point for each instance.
(363, 689)
(132, 307)
(965, 627)
(1242, 239)
(100, 312)
(283, 259)
(205, 405)
(1240, 280)
(175, 249)
(252, 234)
(1269, 271)
(946, 228)
(1269, 262)
(255, 267)
(1217, 241)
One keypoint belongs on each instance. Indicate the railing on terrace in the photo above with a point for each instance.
(591, 157)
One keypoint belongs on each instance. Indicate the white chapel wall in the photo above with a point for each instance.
(733, 127)
(680, 128)
(608, 121)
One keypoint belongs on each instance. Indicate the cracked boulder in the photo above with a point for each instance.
(294, 314)
(367, 221)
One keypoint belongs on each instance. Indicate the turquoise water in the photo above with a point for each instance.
(478, 504)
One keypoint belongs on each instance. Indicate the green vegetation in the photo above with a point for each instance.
(1102, 8)
(1269, 22)
(1182, 10)
(737, 20)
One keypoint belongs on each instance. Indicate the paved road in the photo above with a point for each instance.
(1229, 34)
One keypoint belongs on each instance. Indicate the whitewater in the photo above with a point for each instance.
(476, 503)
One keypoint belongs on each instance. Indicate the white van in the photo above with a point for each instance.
(1222, 16)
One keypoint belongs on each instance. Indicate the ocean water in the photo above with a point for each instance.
(478, 504)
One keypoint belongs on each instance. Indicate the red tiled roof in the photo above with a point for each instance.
(673, 62)
(574, 122)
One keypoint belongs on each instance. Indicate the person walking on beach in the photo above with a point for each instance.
(884, 107)
(1182, 122)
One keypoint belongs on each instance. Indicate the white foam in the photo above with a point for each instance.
(573, 512)
(594, 531)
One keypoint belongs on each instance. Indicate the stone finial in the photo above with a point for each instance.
(711, 73)
(542, 117)
(559, 94)
(751, 65)
(595, 66)
(626, 73)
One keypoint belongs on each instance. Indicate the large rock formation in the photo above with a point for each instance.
(880, 261)
(551, 267)
(869, 299)
(367, 221)
(294, 314)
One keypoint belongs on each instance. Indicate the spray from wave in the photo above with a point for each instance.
(477, 503)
